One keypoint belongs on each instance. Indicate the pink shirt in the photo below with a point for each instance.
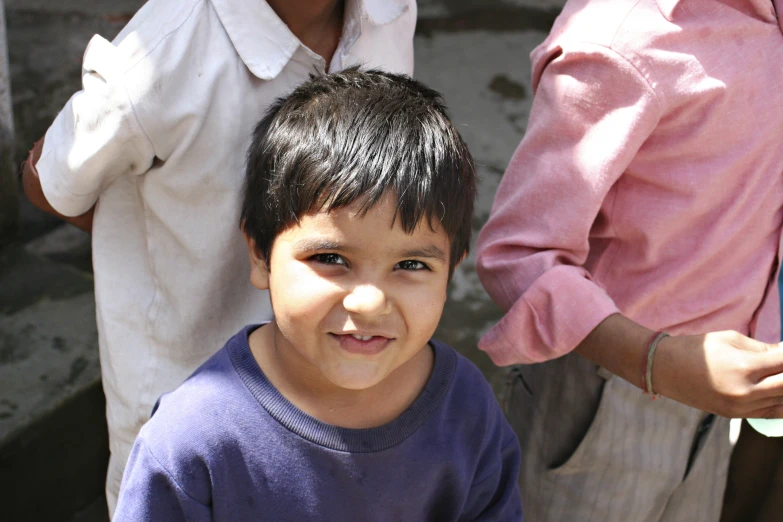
(649, 180)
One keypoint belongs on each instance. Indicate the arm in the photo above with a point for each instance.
(95, 139)
(31, 184)
(495, 496)
(720, 372)
(591, 114)
(150, 493)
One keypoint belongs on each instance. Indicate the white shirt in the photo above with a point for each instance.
(158, 137)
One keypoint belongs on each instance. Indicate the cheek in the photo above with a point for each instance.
(297, 292)
(424, 307)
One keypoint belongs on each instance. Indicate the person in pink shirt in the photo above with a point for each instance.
(646, 199)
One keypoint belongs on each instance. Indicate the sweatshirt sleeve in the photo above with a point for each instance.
(495, 497)
(592, 112)
(149, 492)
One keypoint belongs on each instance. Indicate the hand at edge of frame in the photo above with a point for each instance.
(725, 373)
(31, 185)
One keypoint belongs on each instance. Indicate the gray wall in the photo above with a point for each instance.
(9, 209)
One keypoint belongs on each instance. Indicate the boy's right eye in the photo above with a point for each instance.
(330, 259)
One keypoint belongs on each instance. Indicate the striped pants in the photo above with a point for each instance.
(594, 448)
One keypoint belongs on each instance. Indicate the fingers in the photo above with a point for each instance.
(733, 376)
(767, 408)
(762, 399)
(769, 386)
(751, 345)
(761, 408)
(768, 366)
(768, 412)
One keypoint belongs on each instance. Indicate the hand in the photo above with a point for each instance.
(35, 152)
(724, 373)
(31, 185)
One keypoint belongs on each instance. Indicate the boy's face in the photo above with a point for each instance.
(354, 297)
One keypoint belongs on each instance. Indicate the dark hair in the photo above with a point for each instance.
(356, 135)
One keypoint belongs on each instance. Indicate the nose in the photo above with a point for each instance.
(367, 300)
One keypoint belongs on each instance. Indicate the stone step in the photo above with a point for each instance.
(53, 436)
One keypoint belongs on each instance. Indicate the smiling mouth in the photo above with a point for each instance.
(362, 344)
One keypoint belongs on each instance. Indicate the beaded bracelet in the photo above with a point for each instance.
(648, 361)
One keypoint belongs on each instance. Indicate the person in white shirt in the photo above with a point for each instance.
(149, 157)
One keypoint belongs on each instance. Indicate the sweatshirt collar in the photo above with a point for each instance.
(266, 44)
(366, 440)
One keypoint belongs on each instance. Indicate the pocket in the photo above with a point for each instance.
(700, 437)
(515, 385)
(586, 441)
(517, 402)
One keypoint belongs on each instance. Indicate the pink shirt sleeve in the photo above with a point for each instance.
(592, 112)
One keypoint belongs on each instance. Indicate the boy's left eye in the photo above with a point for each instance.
(411, 265)
(330, 259)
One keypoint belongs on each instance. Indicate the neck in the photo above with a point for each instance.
(316, 23)
(308, 390)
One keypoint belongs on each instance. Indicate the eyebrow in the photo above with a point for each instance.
(316, 244)
(430, 251)
(306, 245)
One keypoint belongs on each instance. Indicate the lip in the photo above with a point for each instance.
(376, 344)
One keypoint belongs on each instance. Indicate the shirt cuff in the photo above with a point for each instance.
(550, 319)
(57, 193)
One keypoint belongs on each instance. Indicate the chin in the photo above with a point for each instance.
(356, 379)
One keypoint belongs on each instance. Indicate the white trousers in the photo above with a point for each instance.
(117, 461)
(595, 448)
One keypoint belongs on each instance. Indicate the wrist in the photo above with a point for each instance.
(664, 365)
(35, 152)
(27, 167)
(648, 361)
(619, 345)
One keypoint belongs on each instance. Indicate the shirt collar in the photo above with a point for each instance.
(266, 44)
(382, 12)
(763, 8)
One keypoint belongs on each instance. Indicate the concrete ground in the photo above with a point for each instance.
(52, 433)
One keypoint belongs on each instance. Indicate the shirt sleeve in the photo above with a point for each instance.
(496, 497)
(150, 493)
(592, 112)
(96, 137)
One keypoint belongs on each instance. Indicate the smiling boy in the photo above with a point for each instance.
(357, 208)
(328, 342)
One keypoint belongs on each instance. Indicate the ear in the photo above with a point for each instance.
(259, 272)
(456, 265)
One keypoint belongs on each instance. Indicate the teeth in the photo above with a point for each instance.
(362, 337)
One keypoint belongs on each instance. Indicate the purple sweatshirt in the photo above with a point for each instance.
(226, 445)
